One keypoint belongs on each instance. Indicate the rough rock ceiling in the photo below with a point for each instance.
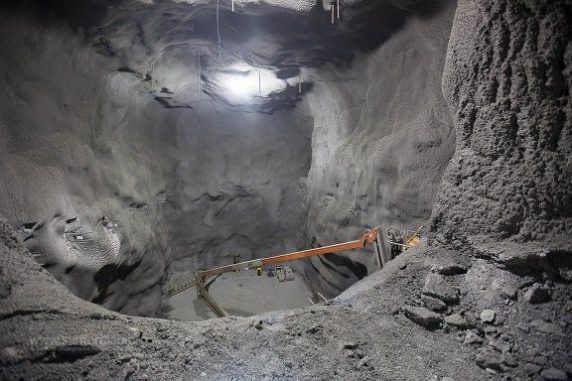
(171, 44)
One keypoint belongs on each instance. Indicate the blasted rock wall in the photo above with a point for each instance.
(507, 82)
(106, 186)
(240, 185)
(76, 181)
(382, 139)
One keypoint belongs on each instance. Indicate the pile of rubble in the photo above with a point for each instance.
(519, 325)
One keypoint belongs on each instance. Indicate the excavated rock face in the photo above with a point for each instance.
(106, 186)
(47, 334)
(128, 141)
(145, 154)
(505, 197)
(507, 82)
(83, 194)
(239, 185)
(175, 43)
(482, 309)
(382, 139)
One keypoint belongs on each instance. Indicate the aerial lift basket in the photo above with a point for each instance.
(402, 240)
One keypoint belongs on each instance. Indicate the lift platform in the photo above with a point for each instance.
(402, 240)
(370, 237)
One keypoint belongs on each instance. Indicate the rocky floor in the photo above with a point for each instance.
(432, 314)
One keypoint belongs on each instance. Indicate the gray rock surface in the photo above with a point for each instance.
(488, 358)
(451, 269)
(108, 188)
(80, 178)
(472, 338)
(507, 81)
(537, 294)
(488, 316)
(48, 334)
(456, 320)
(433, 303)
(441, 288)
(553, 374)
(422, 316)
(382, 138)
(178, 170)
(509, 291)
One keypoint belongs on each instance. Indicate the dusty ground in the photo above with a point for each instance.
(241, 294)
(364, 334)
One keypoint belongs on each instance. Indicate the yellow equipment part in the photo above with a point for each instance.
(401, 240)
(413, 240)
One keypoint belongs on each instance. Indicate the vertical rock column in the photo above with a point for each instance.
(507, 82)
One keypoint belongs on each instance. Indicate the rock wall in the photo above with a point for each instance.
(78, 180)
(240, 185)
(505, 200)
(449, 312)
(382, 139)
(507, 82)
(106, 185)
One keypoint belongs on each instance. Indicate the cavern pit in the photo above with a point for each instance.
(286, 190)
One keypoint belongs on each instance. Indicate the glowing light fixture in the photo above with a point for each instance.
(242, 82)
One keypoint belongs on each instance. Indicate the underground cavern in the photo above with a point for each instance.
(286, 190)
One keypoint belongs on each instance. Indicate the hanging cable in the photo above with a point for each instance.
(219, 41)
(300, 83)
(338, 3)
(200, 74)
(332, 9)
(232, 5)
(153, 77)
(218, 22)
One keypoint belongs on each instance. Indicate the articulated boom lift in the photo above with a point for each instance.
(371, 237)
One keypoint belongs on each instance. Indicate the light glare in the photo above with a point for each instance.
(242, 82)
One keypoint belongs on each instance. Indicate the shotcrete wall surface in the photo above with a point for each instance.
(382, 138)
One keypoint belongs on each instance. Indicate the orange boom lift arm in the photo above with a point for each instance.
(371, 237)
